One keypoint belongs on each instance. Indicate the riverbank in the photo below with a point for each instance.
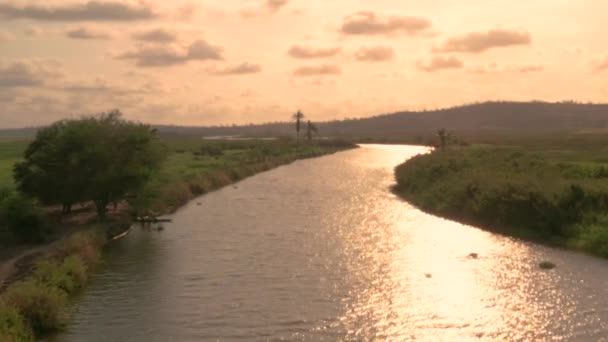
(36, 303)
(549, 195)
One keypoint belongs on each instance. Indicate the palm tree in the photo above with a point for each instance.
(444, 138)
(310, 129)
(298, 117)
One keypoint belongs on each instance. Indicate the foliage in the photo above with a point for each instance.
(41, 306)
(21, 219)
(68, 275)
(310, 130)
(103, 159)
(13, 328)
(298, 116)
(513, 191)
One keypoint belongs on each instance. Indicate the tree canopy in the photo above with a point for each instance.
(102, 159)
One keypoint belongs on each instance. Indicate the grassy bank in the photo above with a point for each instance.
(36, 304)
(195, 167)
(549, 192)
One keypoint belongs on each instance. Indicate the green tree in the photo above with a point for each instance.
(299, 116)
(310, 129)
(103, 159)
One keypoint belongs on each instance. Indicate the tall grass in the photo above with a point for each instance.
(37, 305)
(513, 191)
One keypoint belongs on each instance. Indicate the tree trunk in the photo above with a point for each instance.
(102, 208)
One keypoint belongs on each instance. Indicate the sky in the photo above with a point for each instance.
(211, 62)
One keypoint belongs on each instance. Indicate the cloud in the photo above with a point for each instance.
(28, 73)
(531, 68)
(441, 63)
(240, 69)
(478, 42)
(267, 6)
(89, 32)
(91, 10)
(158, 35)
(307, 52)
(375, 54)
(5, 36)
(600, 65)
(370, 23)
(164, 55)
(321, 70)
(33, 31)
(275, 5)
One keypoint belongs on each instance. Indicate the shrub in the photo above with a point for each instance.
(22, 219)
(41, 306)
(68, 275)
(85, 245)
(13, 328)
(211, 150)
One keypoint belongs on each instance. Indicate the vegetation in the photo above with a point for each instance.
(487, 119)
(299, 116)
(101, 159)
(537, 190)
(195, 167)
(37, 305)
(21, 219)
(310, 130)
(104, 160)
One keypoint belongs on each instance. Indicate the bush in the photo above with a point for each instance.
(68, 275)
(210, 150)
(84, 245)
(41, 306)
(22, 219)
(13, 328)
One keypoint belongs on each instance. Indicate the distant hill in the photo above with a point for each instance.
(475, 119)
(488, 117)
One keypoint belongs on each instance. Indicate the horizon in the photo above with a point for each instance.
(211, 63)
(287, 121)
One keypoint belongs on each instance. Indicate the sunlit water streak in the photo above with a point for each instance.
(321, 250)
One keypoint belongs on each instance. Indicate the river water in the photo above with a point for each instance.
(321, 250)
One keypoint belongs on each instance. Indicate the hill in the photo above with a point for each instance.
(490, 117)
(479, 120)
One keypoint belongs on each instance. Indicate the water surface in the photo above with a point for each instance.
(321, 250)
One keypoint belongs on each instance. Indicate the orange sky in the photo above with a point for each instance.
(238, 61)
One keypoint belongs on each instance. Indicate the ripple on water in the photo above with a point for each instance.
(320, 250)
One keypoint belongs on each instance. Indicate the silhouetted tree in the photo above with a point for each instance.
(310, 129)
(444, 138)
(298, 117)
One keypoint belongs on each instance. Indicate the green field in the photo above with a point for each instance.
(552, 188)
(11, 152)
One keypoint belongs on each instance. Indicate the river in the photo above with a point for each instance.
(321, 250)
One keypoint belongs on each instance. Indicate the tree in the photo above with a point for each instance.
(444, 138)
(102, 159)
(310, 129)
(298, 117)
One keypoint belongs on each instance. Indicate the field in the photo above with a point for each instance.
(11, 152)
(552, 189)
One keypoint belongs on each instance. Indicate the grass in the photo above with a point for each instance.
(553, 191)
(37, 305)
(11, 151)
(194, 167)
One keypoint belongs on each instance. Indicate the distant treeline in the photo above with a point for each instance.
(472, 119)
(491, 117)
